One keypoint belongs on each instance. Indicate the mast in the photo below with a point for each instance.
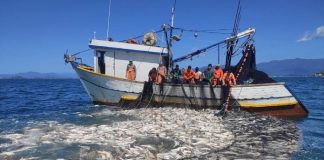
(108, 23)
(172, 21)
(230, 44)
(170, 64)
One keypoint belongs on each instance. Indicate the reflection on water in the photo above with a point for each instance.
(154, 133)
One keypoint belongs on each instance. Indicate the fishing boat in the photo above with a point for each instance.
(105, 81)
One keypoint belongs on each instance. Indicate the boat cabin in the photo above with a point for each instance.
(111, 58)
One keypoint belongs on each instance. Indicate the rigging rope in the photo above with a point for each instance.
(185, 94)
(81, 52)
(202, 31)
(182, 29)
(243, 45)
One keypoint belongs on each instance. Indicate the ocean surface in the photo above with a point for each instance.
(55, 119)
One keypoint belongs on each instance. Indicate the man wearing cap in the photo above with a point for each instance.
(131, 71)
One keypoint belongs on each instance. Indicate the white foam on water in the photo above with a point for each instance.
(104, 112)
(171, 133)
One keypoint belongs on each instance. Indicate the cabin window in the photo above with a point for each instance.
(101, 62)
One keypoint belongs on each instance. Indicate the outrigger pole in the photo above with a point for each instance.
(240, 35)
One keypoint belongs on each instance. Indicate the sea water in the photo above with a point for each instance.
(54, 119)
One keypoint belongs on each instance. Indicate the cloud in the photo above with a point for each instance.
(319, 33)
(306, 37)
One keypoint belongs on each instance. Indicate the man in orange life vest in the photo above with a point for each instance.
(228, 81)
(161, 72)
(188, 75)
(197, 76)
(229, 78)
(217, 76)
(131, 71)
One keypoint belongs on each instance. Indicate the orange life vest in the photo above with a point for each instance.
(188, 74)
(217, 76)
(218, 73)
(131, 72)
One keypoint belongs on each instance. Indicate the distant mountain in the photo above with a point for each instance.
(292, 67)
(286, 67)
(37, 75)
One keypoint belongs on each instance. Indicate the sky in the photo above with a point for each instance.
(35, 34)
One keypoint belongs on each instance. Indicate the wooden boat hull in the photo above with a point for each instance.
(268, 99)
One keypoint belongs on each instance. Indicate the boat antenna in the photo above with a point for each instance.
(172, 19)
(108, 23)
(218, 54)
(230, 44)
(171, 33)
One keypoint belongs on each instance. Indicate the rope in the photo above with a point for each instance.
(139, 100)
(184, 93)
(202, 31)
(212, 89)
(81, 52)
(164, 95)
(152, 95)
(192, 91)
(242, 45)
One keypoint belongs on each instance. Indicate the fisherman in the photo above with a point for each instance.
(148, 86)
(131, 71)
(175, 74)
(229, 78)
(188, 75)
(218, 75)
(161, 72)
(197, 76)
(152, 75)
(208, 74)
(182, 72)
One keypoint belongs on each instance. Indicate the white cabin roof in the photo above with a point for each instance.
(97, 44)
